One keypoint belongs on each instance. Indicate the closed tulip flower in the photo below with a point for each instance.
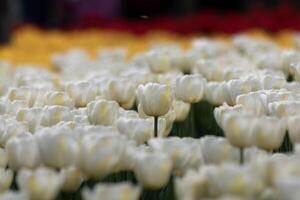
(102, 112)
(185, 155)
(100, 154)
(81, 92)
(32, 116)
(293, 126)
(152, 169)
(71, 179)
(238, 129)
(108, 191)
(6, 178)
(155, 99)
(238, 87)
(40, 184)
(217, 150)
(139, 130)
(58, 147)
(181, 109)
(121, 91)
(58, 98)
(253, 102)
(3, 158)
(190, 88)
(284, 108)
(23, 152)
(269, 133)
(13, 129)
(54, 114)
(216, 93)
(14, 195)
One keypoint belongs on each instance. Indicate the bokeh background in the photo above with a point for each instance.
(140, 16)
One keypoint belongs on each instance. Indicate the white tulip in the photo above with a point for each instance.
(32, 116)
(272, 82)
(152, 169)
(118, 191)
(284, 108)
(221, 111)
(155, 99)
(185, 155)
(100, 154)
(55, 114)
(23, 152)
(269, 133)
(102, 112)
(6, 178)
(190, 88)
(121, 91)
(12, 129)
(158, 61)
(71, 179)
(40, 184)
(181, 109)
(191, 186)
(25, 94)
(238, 87)
(58, 98)
(239, 181)
(58, 147)
(293, 126)
(253, 102)
(3, 158)
(239, 129)
(216, 93)
(216, 150)
(81, 92)
(14, 195)
(139, 130)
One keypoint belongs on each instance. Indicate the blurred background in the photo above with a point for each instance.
(139, 16)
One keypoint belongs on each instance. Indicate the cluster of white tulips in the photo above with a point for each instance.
(103, 128)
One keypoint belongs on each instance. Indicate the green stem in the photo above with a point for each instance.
(155, 126)
(241, 156)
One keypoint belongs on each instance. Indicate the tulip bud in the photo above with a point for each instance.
(190, 88)
(81, 92)
(185, 155)
(118, 191)
(152, 170)
(238, 129)
(181, 109)
(269, 133)
(294, 128)
(72, 178)
(55, 114)
(58, 98)
(121, 91)
(139, 130)
(13, 129)
(253, 102)
(284, 108)
(40, 184)
(32, 116)
(216, 150)
(6, 178)
(58, 147)
(216, 93)
(155, 99)
(23, 152)
(100, 154)
(3, 158)
(102, 112)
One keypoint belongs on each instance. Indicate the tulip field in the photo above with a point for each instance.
(98, 115)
